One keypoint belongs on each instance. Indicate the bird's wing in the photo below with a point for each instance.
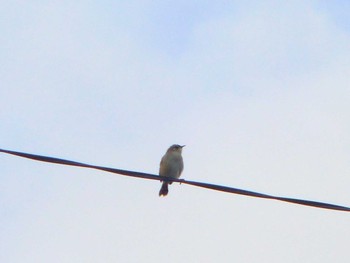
(162, 166)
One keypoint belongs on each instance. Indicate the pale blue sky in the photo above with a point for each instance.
(258, 91)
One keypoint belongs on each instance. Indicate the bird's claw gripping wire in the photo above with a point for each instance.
(181, 181)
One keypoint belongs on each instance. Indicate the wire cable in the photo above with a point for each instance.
(221, 188)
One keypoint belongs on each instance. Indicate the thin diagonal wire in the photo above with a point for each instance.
(193, 183)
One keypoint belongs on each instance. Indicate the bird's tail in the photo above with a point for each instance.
(164, 189)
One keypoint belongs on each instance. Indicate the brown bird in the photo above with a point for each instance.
(171, 166)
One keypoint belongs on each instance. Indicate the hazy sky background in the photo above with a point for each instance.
(259, 92)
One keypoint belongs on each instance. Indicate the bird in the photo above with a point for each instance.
(171, 165)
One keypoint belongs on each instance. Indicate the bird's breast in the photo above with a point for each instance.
(171, 166)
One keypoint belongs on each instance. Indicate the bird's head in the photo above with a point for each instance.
(176, 148)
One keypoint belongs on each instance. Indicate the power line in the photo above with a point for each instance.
(221, 188)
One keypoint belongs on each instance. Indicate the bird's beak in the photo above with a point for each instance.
(183, 146)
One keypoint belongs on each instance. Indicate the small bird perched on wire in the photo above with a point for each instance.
(171, 166)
